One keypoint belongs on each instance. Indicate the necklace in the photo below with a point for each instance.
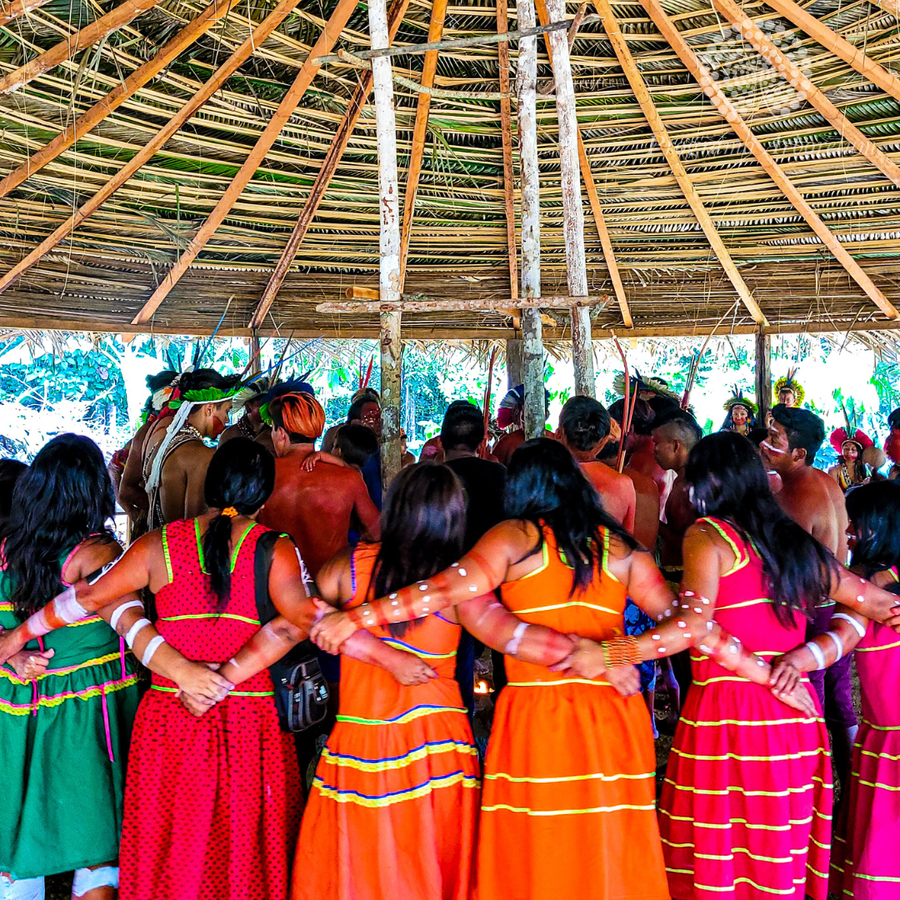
(245, 428)
(187, 428)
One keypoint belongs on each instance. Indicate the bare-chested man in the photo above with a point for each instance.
(584, 426)
(176, 457)
(816, 503)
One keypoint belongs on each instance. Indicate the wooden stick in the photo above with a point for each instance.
(486, 409)
(723, 105)
(889, 6)
(457, 43)
(573, 212)
(456, 305)
(75, 43)
(532, 328)
(839, 46)
(794, 75)
(210, 16)
(323, 178)
(620, 459)
(763, 374)
(216, 80)
(660, 132)
(506, 134)
(16, 8)
(587, 175)
(435, 30)
(388, 243)
(285, 110)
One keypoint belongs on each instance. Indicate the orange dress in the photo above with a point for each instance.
(393, 807)
(569, 802)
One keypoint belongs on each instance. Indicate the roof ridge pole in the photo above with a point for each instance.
(323, 177)
(146, 153)
(839, 46)
(116, 18)
(532, 327)
(797, 79)
(198, 26)
(724, 107)
(308, 71)
(661, 133)
(423, 106)
(609, 256)
(12, 11)
(573, 212)
(388, 243)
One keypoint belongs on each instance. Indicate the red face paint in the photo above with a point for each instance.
(218, 426)
(892, 446)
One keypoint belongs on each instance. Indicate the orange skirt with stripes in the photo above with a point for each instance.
(568, 802)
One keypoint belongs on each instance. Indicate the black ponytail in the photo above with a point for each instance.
(241, 476)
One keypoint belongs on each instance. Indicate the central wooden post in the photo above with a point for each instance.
(255, 361)
(763, 374)
(573, 212)
(389, 242)
(532, 327)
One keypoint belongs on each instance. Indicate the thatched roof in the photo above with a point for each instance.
(102, 275)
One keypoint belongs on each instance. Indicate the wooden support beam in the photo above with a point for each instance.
(839, 46)
(255, 362)
(587, 175)
(514, 363)
(323, 178)
(146, 153)
(532, 328)
(97, 30)
(326, 40)
(763, 374)
(889, 6)
(573, 212)
(806, 90)
(198, 26)
(460, 305)
(423, 106)
(701, 73)
(12, 10)
(509, 195)
(388, 244)
(660, 132)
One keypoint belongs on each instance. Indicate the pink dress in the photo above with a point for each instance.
(745, 810)
(866, 861)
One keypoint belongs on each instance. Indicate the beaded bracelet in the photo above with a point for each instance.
(621, 651)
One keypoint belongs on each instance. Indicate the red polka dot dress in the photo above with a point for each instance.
(212, 805)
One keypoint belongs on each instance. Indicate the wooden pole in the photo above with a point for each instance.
(795, 76)
(514, 363)
(308, 71)
(423, 106)
(509, 197)
(323, 177)
(211, 15)
(839, 46)
(573, 212)
(763, 374)
(388, 244)
(532, 327)
(255, 363)
(75, 43)
(724, 106)
(12, 11)
(661, 133)
(146, 153)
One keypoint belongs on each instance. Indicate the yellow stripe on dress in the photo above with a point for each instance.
(750, 826)
(398, 762)
(782, 892)
(743, 791)
(554, 606)
(558, 681)
(748, 723)
(562, 779)
(819, 751)
(876, 649)
(26, 709)
(502, 807)
(422, 790)
(410, 715)
(745, 850)
(98, 661)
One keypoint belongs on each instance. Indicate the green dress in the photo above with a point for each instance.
(63, 748)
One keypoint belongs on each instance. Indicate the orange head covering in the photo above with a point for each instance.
(299, 414)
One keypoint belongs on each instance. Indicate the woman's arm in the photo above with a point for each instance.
(863, 597)
(479, 572)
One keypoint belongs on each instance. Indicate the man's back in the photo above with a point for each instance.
(616, 492)
(816, 503)
(317, 508)
(485, 483)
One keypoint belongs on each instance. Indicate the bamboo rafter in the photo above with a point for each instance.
(12, 10)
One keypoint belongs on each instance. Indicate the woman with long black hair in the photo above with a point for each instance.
(745, 809)
(67, 700)
(568, 806)
(393, 807)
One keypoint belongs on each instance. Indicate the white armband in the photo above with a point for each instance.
(68, 608)
(813, 648)
(151, 648)
(860, 628)
(838, 643)
(133, 631)
(117, 612)
(513, 646)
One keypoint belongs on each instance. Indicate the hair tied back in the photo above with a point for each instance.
(229, 511)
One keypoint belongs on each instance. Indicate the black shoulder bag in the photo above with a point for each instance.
(301, 692)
